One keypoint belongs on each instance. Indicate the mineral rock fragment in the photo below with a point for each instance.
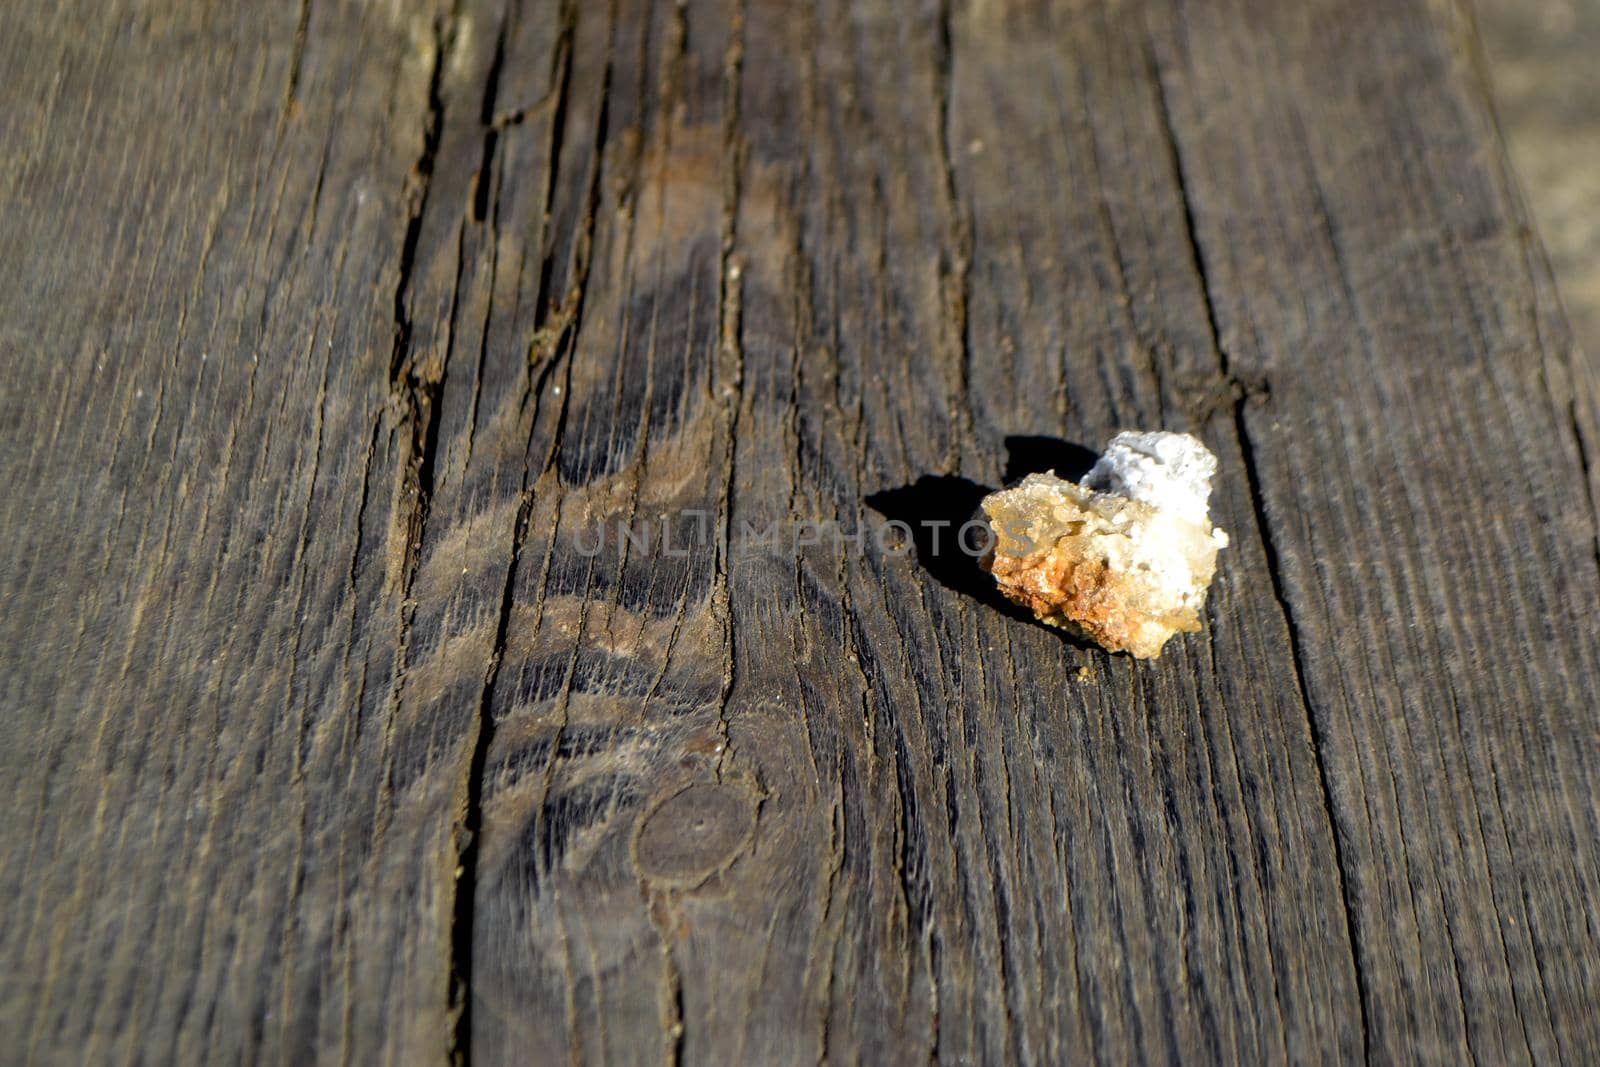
(1124, 557)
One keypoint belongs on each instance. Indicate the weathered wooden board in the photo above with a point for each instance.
(340, 722)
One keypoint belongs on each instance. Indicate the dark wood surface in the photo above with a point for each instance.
(335, 333)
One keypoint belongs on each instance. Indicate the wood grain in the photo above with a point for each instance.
(343, 723)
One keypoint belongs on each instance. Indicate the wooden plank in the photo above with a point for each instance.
(929, 834)
(1421, 386)
(228, 842)
(334, 728)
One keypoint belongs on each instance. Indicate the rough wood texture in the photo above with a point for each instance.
(336, 334)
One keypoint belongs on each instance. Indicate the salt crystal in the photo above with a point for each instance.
(1124, 557)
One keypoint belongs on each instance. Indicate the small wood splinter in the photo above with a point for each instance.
(1123, 557)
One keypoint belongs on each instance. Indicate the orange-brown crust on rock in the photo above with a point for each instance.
(1082, 594)
(1117, 571)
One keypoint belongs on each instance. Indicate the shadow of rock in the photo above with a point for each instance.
(1027, 455)
(936, 507)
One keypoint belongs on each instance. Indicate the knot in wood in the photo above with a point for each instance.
(694, 833)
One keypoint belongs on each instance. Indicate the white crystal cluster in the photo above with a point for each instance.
(1169, 471)
(1124, 557)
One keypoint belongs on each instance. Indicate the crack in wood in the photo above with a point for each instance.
(1265, 532)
